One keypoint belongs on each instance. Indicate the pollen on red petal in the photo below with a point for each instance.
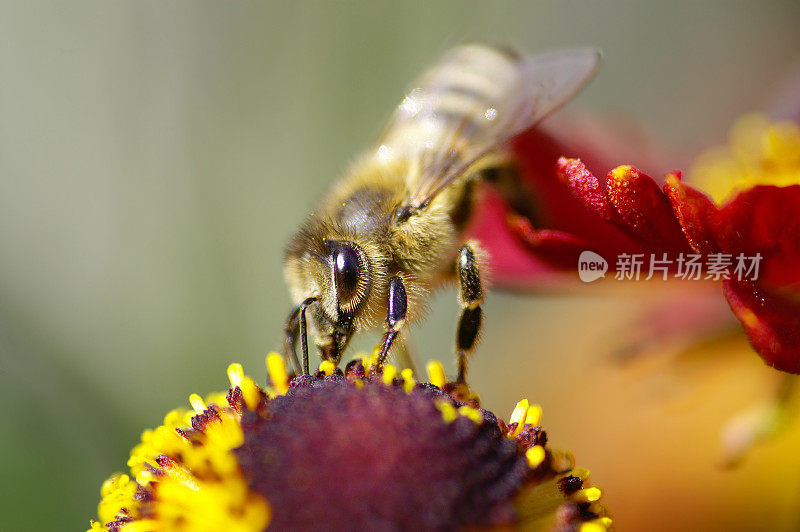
(585, 187)
(644, 209)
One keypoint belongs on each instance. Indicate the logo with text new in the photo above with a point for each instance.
(591, 266)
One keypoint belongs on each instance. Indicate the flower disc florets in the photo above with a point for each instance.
(347, 450)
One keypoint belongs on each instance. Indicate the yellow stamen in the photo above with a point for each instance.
(198, 485)
(580, 472)
(587, 495)
(535, 456)
(369, 363)
(181, 475)
(472, 413)
(593, 526)
(408, 380)
(235, 374)
(114, 483)
(449, 412)
(389, 373)
(518, 416)
(218, 399)
(277, 372)
(436, 374)
(250, 392)
(174, 418)
(146, 476)
(197, 403)
(142, 525)
(327, 367)
(534, 416)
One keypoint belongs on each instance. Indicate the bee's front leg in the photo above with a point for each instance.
(470, 297)
(395, 316)
(296, 326)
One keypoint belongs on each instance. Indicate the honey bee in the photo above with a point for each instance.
(390, 231)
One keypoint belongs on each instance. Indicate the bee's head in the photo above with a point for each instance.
(337, 272)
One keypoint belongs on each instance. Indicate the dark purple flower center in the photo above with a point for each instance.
(328, 455)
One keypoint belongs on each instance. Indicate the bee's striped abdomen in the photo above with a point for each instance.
(471, 103)
(449, 106)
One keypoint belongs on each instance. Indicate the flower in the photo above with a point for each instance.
(760, 151)
(549, 240)
(353, 449)
(757, 214)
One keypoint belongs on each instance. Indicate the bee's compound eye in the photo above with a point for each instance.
(346, 273)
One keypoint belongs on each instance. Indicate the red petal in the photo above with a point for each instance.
(537, 153)
(585, 187)
(644, 210)
(557, 248)
(695, 212)
(515, 263)
(765, 220)
(772, 323)
(511, 262)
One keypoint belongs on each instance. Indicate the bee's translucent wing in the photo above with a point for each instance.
(474, 100)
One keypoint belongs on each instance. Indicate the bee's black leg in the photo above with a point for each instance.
(395, 316)
(296, 326)
(470, 297)
(304, 335)
(290, 331)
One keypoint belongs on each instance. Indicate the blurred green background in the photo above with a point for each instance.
(155, 156)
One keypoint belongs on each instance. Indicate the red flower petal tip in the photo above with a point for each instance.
(584, 186)
(694, 211)
(644, 209)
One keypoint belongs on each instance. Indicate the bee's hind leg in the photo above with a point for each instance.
(470, 297)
